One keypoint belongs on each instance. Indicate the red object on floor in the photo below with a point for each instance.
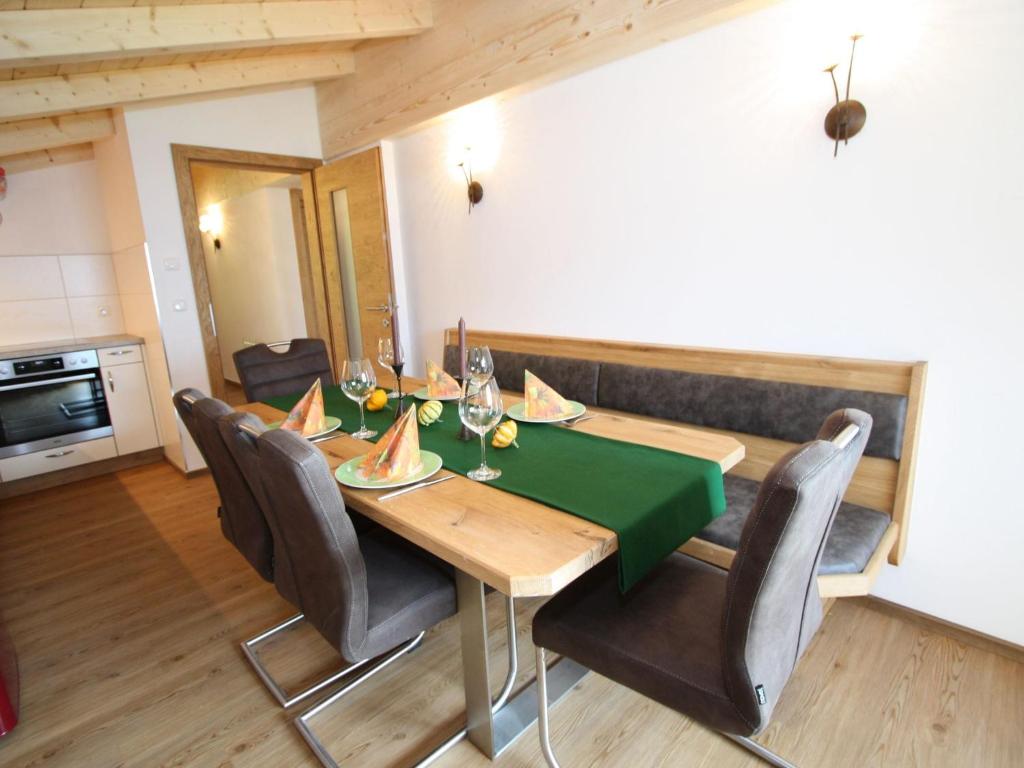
(8, 683)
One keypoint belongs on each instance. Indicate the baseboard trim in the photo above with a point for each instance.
(24, 485)
(959, 632)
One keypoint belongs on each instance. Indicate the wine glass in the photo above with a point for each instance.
(358, 382)
(480, 409)
(479, 365)
(386, 357)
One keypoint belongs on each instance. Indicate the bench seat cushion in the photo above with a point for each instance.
(854, 537)
(571, 378)
(775, 409)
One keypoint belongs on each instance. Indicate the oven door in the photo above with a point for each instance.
(50, 410)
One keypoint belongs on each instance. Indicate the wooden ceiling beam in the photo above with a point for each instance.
(24, 136)
(478, 48)
(39, 37)
(39, 97)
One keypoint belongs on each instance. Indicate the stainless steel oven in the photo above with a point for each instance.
(47, 402)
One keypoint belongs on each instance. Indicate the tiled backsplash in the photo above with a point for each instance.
(43, 298)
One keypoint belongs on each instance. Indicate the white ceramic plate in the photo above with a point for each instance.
(333, 422)
(421, 394)
(518, 412)
(346, 473)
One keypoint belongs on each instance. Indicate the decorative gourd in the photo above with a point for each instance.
(505, 435)
(430, 412)
(377, 400)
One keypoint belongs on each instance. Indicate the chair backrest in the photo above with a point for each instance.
(241, 519)
(772, 605)
(241, 432)
(319, 541)
(265, 373)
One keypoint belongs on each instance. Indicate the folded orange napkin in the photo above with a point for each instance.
(397, 454)
(542, 402)
(308, 416)
(439, 383)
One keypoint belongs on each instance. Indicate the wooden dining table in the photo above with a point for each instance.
(517, 546)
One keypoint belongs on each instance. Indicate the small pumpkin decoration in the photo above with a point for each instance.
(377, 400)
(505, 435)
(430, 412)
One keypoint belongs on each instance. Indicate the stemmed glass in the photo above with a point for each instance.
(386, 357)
(480, 409)
(358, 382)
(479, 365)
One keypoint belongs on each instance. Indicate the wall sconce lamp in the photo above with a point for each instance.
(846, 119)
(474, 189)
(212, 223)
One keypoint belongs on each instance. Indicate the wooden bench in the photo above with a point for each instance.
(767, 401)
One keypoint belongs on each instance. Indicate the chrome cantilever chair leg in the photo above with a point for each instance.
(249, 649)
(765, 754)
(542, 710)
(545, 733)
(302, 721)
(506, 688)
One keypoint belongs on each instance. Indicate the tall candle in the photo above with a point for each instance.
(462, 348)
(396, 341)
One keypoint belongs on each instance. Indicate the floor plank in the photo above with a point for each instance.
(127, 606)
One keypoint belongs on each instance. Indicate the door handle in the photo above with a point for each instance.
(381, 308)
(119, 352)
(58, 454)
(110, 381)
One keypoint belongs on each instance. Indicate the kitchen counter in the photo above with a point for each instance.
(60, 346)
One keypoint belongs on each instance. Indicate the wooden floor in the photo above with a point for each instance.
(127, 607)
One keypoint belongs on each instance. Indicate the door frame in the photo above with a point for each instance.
(183, 156)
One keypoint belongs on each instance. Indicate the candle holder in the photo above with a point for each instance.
(400, 402)
(465, 434)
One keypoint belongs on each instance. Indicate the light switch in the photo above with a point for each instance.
(179, 306)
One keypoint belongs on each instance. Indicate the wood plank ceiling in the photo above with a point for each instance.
(381, 66)
(64, 64)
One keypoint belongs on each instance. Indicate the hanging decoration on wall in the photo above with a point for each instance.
(846, 119)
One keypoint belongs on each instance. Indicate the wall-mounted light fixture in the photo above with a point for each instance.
(846, 119)
(212, 223)
(474, 189)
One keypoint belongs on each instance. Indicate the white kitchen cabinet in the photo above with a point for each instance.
(131, 412)
(52, 459)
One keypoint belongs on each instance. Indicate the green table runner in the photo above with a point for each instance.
(653, 499)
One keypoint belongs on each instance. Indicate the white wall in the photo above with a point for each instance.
(131, 267)
(56, 275)
(688, 195)
(283, 122)
(53, 210)
(257, 258)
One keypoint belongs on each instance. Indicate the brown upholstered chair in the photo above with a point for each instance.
(241, 519)
(265, 373)
(718, 646)
(372, 597)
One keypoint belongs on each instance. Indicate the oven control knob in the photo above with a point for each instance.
(4, 370)
(72, 361)
(83, 360)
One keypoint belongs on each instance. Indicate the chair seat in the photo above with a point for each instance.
(408, 591)
(851, 542)
(663, 638)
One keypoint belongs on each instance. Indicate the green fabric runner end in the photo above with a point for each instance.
(653, 499)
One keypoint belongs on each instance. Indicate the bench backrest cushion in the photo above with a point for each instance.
(774, 409)
(571, 378)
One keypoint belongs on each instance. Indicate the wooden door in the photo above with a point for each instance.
(357, 256)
